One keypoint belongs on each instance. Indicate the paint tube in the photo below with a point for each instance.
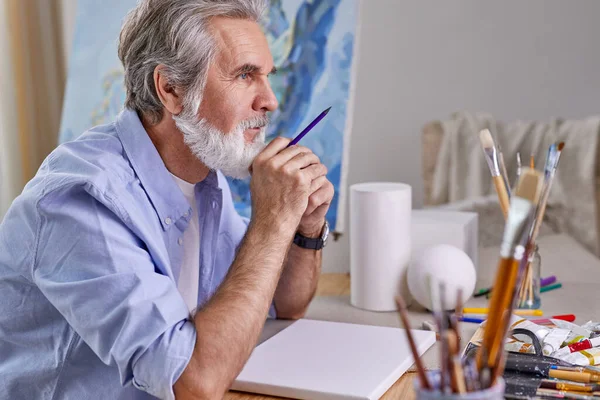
(519, 347)
(571, 339)
(594, 327)
(538, 330)
(554, 340)
(572, 348)
(584, 357)
(545, 322)
(514, 319)
(576, 330)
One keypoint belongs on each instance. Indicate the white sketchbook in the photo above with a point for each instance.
(322, 360)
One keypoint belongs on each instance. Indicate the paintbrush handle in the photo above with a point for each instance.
(539, 217)
(502, 194)
(501, 301)
(517, 265)
(504, 173)
(582, 377)
(411, 343)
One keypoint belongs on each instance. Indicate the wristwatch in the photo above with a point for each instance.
(313, 243)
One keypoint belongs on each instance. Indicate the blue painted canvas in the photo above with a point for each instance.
(313, 45)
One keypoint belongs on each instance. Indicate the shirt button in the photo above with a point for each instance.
(185, 214)
(180, 241)
(168, 221)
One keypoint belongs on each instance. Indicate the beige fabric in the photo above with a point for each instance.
(461, 171)
(32, 75)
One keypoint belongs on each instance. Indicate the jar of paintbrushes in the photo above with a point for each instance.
(458, 377)
(528, 289)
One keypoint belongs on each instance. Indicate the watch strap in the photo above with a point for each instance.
(308, 243)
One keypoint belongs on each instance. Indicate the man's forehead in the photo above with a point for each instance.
(241, 42)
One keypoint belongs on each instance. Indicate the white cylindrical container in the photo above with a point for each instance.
(379, 244)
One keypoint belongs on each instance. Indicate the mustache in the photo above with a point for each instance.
(260, 121)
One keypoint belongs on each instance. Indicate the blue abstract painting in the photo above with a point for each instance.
(313, 44)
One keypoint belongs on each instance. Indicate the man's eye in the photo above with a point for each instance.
(244, 75)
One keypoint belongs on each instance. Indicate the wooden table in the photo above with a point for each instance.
(339, 285)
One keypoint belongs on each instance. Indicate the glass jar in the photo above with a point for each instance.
(496, 392)
(529, 293)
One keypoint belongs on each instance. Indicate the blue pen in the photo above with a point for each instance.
(309, 127)
(472, 320)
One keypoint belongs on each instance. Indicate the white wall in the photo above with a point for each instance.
(421, 60)
(424, 59)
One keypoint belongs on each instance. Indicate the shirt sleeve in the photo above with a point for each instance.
(272, 311)
(101, 278)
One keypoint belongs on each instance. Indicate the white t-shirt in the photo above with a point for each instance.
(190, 266)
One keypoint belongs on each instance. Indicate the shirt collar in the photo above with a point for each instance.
(166, 197)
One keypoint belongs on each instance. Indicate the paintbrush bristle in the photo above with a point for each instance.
(561, 145)
(485, 137)
(528, 187)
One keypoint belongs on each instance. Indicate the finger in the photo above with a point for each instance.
(322, 197)
(319, 212)
(302, 160)
(284, 155)
(315, 170)
(273, 148)
(317, 183)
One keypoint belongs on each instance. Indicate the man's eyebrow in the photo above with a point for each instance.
(250, 69)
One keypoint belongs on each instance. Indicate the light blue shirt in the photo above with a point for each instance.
(89, 260)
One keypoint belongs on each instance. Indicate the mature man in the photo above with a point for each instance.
(125, 271)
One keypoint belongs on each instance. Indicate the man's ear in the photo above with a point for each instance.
(167, 93)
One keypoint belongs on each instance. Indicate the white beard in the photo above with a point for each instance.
(227, 152)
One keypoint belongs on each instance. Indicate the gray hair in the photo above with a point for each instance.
(176, 34)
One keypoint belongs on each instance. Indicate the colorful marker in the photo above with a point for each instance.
(550, 287)
(472, 320)
(537, 313)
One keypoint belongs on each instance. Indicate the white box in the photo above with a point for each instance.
(456, 228)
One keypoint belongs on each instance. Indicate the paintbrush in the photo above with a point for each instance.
(570, 386)
(447, 334)
(441, 321)
(529, 188)
(552, 160)
(583, 377)
(561, 394)
(518, 169)
(411, 342)
(457, 314)
(511, 254)
(456, 368)
(503, 171)
(491, 156)
(594, 375)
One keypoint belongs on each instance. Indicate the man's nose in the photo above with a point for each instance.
(266, 99)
